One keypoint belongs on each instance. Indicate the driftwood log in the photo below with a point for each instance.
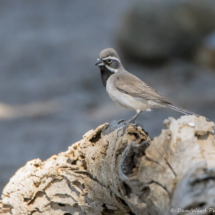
(108, 172)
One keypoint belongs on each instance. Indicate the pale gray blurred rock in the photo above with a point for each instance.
(205, 53)
(158, 30)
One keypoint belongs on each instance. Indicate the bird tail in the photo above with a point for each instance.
(184, 111)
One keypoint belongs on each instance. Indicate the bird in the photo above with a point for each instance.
(127, 90)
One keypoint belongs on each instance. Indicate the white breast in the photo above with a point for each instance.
(123, 99)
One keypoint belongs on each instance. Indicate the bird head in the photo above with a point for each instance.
(109, 59)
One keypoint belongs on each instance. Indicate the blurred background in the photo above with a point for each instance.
(50, 89)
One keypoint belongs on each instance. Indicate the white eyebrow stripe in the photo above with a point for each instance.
(112, 58)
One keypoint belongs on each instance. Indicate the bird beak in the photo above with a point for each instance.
(99, 62)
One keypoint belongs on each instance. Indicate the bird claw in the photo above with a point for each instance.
(124, 127)
(138, 124)
(119, 129)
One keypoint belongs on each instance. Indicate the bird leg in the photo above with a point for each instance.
(132, 120)
(126, 124)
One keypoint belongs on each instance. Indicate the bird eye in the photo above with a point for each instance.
(109, 60)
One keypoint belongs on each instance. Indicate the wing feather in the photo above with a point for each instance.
(130, 84)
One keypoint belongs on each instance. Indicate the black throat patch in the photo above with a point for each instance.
(105, 74)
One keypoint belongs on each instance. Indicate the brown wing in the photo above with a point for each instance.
(130, 84)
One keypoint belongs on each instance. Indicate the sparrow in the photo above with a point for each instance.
(127, 90)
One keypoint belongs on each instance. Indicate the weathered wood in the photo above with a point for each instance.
(110, 173)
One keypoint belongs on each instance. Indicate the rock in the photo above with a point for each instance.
(112, 174)
(159, 30)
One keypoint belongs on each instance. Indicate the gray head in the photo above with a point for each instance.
(109, 59)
